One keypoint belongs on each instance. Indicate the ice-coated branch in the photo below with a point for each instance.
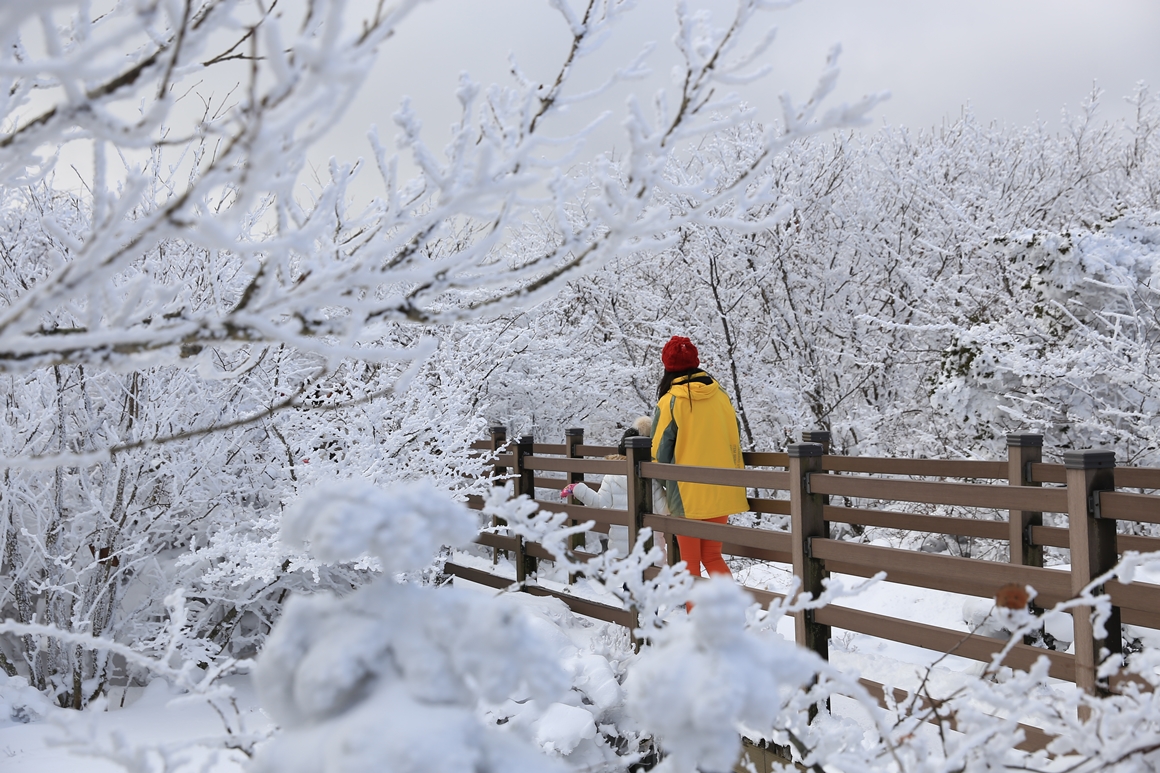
(327, 278)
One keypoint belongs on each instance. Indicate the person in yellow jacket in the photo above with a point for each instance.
(695, 424)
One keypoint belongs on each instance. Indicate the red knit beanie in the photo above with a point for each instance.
(679, 354)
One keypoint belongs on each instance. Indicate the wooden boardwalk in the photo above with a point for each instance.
(805, 483)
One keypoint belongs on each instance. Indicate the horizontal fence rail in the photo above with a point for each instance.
(932, 468)
(935, 524)
(766, 479)
(958, 494)
(938, 572)
(812, 489)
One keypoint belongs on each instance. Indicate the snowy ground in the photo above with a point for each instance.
(155, 721)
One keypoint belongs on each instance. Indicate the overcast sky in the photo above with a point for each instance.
(1013, 61)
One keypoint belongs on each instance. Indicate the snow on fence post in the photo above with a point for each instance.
(1093, 552)
(1022, 451)
(573, 439)
(498, 441)
(525, 483)
(806, 522)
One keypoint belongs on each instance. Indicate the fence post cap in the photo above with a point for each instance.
(574, 431)
(527, 440)
(1089, 460)
(638, 442)
(1019, 440)
(822, 436)
(497, 430)
(804, 450)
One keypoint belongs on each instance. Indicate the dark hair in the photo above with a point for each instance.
(630, 432)
(667, 380)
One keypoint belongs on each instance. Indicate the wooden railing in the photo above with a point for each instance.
(810, 481)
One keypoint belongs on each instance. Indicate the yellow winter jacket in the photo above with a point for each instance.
(695, 424)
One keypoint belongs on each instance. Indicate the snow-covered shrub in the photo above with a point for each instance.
(703, 682)
(96, 545)
(396, 671)
(19, 702)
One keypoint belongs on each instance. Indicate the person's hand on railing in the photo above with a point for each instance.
(567, 491)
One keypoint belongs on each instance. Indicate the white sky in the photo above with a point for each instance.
(1013, 61)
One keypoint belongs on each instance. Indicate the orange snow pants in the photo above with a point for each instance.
(697, 552)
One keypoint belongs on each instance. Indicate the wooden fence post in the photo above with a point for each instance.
(806, 522)
(1093, 552)
(498, 441)
(525, 483)
(573, 439)
(1022, 451)
(525, 480)
(820, 436)
(638, 449)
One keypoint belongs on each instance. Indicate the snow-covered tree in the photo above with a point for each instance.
(187, 339)
(927, 293)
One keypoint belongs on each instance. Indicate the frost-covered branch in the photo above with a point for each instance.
(319, 276)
